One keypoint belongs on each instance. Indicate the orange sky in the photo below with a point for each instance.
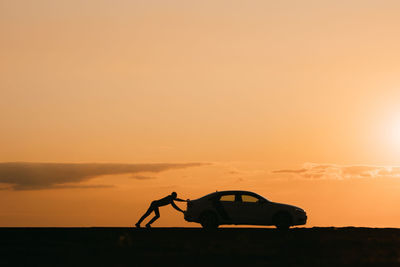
(258, 90)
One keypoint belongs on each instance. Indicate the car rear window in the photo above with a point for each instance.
(227, 198)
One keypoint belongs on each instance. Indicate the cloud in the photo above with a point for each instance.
(36, 175)
(290, 171)
(143, 177)
(59, 186)
(334, 171)
(235, 172)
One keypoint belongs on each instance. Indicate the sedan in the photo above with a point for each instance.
(242, 208)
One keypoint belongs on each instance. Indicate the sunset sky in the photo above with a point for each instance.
(108, 105)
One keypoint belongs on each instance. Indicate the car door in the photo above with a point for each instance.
(251, 209)
(226, 207)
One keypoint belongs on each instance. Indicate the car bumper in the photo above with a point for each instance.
(301, 219)
(188, 217)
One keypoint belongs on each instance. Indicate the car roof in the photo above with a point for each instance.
(235, 192)
(227, 192)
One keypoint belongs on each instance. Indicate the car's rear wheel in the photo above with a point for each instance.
(209, 221)
(282, 220)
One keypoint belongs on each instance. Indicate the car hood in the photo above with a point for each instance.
(286, 206)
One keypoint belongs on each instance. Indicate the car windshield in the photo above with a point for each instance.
(250, 199)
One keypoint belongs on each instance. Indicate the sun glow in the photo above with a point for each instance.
(391, 134)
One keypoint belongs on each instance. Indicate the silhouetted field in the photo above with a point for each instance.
(196, 247)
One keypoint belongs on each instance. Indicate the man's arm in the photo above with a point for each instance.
(176, 207)
(180, 200)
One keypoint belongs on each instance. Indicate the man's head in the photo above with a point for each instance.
(174, 195)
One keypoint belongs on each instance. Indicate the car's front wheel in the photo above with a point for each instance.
(209, 221)
(282, 220)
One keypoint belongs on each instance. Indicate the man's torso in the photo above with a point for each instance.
(164, 201)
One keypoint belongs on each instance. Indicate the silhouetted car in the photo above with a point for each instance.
(242, 207)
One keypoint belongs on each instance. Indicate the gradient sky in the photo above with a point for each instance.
(295, 100)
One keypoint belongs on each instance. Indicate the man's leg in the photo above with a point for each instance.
(157, 212)
(149, 210)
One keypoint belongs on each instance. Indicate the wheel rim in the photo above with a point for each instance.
(209, 221)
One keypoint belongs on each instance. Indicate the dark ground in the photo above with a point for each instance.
(196, 247)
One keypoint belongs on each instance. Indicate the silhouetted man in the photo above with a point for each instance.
(159, 203)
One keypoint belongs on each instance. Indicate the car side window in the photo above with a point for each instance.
(227, 198)
(249, 199)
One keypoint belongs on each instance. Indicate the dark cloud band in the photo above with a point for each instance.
(34, 175)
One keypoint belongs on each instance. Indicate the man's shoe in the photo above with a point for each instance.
(148, 226)
(137, 225)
